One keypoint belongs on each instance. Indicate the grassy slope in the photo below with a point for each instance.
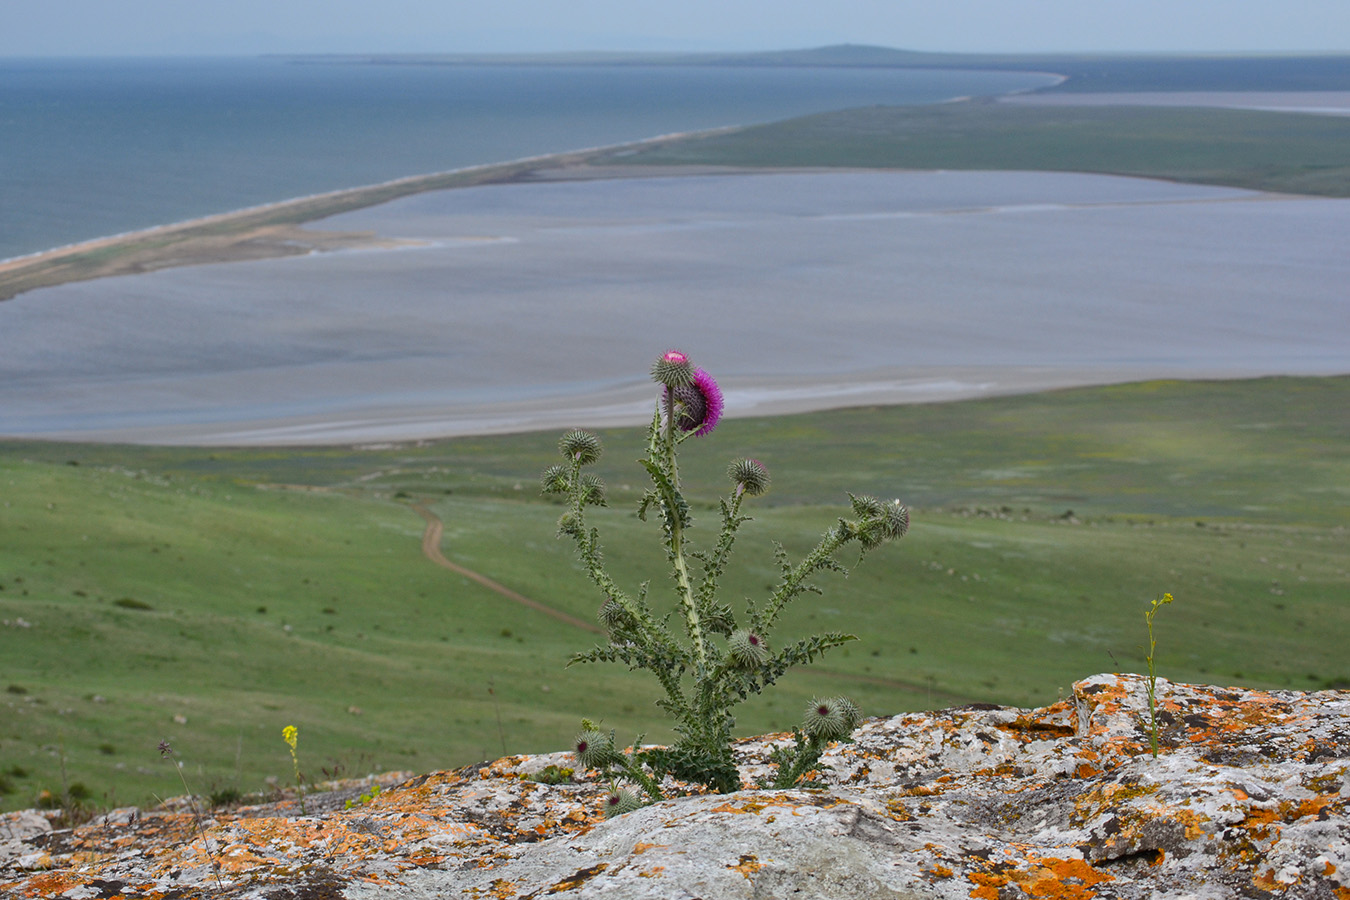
(1241, 148)
(996, 595)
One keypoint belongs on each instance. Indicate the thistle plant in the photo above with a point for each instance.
(712, 660)
(1152, 677)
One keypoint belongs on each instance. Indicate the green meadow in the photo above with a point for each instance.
(1268, 151)
(211, 597)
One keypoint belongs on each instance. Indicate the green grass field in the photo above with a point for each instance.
(1266, 151)
(212, 597)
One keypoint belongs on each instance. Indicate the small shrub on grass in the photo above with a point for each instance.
(721, 659)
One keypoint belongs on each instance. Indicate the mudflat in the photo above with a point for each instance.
(516, 306)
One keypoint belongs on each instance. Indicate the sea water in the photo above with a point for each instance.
(93, 147)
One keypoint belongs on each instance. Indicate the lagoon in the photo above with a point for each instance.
(541, 304)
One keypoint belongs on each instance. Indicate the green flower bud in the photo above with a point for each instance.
(747, 648)
(897, 520)
(592, 490)
(825, 720)
(593, 749)
(852, 715)
(580, 445)
(555, 480)
(750, 476)
(673, 369)
(568, 524)
(865, 507)
(612, 614)
(620, 801)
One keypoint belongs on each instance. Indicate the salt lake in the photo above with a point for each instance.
(542, 304)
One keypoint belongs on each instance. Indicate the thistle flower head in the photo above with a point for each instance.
(593, 490)
(849, 709)
(750, 476)
(593, 748)
(673, 369)
(619, 801)
(555, 480)
(612, 614)
(696, 406)
(897, 520)
(581, 446)
(866, 507)
(747, 648)
(826, 719)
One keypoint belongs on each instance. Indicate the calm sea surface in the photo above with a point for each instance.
(96, 147)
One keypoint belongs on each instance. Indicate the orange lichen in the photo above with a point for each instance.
(988, 885)
(941, 871)
(653, 872)
(748, 865)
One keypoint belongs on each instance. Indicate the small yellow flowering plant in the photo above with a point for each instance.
(291, 736)
(720, 660)
(1152, 677)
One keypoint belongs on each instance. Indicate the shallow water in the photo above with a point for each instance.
(553, 298)
(96, 147)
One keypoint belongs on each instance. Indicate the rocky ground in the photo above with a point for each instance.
(1248, 798)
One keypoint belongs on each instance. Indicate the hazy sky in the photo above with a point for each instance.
(121, 27)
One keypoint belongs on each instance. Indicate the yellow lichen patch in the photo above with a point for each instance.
(500, 889)
(747, 806)
(653, 872)
(1061, 879)
(577, 879)
(641, 848)
(987, 885)
(748, 865)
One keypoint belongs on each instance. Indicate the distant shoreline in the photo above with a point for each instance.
(273, 229)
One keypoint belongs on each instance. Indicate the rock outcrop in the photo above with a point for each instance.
(1248, 798)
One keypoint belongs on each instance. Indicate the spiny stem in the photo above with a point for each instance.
(682, 582)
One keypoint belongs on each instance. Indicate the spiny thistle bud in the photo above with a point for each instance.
(750, 476)
(592, 489)
(619, 801)
(673, 370)
(897, 520)
(825, 720)
(568, 524)
(865, 507)
(849, 709)
(593, 748)
(580, 445)
(612, 614)
(747, 648)
(697, 406)
(555, 480)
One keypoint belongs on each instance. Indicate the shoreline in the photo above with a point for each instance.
(631, 404)
(273, 230)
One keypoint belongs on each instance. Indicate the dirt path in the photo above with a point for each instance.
(431, 548)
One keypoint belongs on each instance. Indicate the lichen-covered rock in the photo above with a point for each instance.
(1248, 798)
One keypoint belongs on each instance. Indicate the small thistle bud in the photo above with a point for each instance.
(593, 748)
(612, 614)
(849, 710)
(865, 507)
(750, 476)
(568, 524)
(897, 520)
(620, 801)
(555, 480)
(673, 370)
(697, 406)
(592, 490)
(747, 648)
(580, 445)
(825, 720)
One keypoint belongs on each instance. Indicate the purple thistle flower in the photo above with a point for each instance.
(697, 407)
